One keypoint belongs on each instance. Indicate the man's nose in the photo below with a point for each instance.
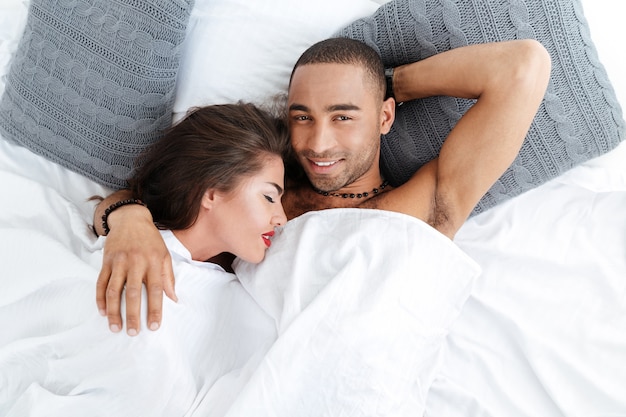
(321, 138)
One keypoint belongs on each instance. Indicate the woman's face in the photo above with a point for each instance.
(247, 216)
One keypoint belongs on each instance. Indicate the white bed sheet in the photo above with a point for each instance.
(543, 332)
(58, 358)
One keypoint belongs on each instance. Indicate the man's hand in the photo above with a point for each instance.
(133, 256)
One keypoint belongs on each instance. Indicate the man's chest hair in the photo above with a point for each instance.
(303, 199)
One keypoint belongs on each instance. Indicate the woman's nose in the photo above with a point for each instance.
(280, 218)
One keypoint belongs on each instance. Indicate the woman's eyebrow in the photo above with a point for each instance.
(279, 189)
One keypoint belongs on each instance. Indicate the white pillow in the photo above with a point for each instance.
(245, 50)
(12, 20)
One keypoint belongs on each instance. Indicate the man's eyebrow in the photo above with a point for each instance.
(342, 107)
(331, 108)
(298, 107)
(279, 189)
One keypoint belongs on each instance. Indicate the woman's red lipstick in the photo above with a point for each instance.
(266, 238)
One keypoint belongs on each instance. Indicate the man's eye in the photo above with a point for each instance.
(268, 198)
(301, 118)
(343, 118)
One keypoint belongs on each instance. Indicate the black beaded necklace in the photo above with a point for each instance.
(353, 195)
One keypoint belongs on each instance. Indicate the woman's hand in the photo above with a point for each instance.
(134, 254)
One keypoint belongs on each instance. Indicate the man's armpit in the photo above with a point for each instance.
(441, 215)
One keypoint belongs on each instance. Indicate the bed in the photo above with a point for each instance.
(524, 314)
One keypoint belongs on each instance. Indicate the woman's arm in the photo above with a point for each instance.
(134, 254)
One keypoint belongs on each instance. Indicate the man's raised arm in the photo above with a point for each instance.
(508, 81)
(134, 254)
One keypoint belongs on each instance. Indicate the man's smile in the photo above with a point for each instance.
(324, 164)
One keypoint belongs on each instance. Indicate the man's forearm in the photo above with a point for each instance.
(462, 72)
(417, 80)
(110, 200)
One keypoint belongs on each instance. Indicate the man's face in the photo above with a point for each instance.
(335, 122)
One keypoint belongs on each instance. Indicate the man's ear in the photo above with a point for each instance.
(388, 115)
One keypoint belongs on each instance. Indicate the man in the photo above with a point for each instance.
(337, 112)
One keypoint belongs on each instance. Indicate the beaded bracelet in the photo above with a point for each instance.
(114, 207)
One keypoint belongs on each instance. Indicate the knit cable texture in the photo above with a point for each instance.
(93, 82)
(579, 118)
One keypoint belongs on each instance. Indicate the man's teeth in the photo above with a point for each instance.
(324, 164)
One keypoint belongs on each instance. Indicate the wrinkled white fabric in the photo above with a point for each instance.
(58, 358)
(362, 300)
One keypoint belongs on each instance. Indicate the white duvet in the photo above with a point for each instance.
(58, 358)
(363, 301)
(329, 324)
(359, 299)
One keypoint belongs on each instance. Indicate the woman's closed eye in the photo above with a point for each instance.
(269, 198)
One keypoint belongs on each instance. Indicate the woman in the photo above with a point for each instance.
(213, 184)
(215, 180)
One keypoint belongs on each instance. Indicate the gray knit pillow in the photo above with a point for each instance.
(93, 82)
(579, 118)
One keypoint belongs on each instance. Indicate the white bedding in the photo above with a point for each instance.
(361, 319)
(544, 331)
(354, 317)
(541, 331)
(57, 356)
